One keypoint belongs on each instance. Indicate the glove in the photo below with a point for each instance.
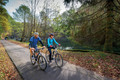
(50, 45)
(59, 44)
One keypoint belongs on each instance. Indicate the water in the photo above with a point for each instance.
(68, 45)
(65, 48)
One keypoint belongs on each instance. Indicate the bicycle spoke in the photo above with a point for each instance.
(59, 60)
(42, 63)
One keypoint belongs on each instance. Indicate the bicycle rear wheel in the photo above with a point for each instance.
(42, 63)
(32, 59)
(58, 60)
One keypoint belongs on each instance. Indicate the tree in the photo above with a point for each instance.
(3, 2)
(107, 20)
(4, 23)
(21, 14)
(33, 4)
(16, 28)
(108, 46)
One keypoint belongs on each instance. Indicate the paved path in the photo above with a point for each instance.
(21, 59)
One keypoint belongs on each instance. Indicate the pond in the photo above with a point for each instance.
(69, 45)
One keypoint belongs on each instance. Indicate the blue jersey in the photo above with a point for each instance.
(50, 41)
(33, 42)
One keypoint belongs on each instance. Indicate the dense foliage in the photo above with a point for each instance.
(4, 23)
(95, 24)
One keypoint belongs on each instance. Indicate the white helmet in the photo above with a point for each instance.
(36, 33)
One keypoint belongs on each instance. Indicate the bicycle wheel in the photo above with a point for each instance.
(42, 62)
(32, 60)
(58, 60)
(47, 55)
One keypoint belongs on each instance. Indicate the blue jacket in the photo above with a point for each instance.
(50, 41)
(33, 42)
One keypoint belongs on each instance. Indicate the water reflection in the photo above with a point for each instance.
(65, 48)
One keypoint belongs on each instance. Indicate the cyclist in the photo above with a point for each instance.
(33, 42)
(50, 44)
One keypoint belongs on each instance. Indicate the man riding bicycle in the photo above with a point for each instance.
(33, 43)
(50, 44)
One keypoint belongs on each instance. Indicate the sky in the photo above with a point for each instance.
(14, 4)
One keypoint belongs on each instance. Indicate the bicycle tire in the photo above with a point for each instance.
(56, 55)
(43, 60)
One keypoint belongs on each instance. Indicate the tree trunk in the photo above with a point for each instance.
(108, 45)
(23, 33)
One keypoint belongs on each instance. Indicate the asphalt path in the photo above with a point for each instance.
(21, 58)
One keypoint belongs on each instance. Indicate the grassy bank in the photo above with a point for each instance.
(7, 69)
(106, 64)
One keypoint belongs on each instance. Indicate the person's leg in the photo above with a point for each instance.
(53, 47)
(52, 53)
(36, 49)
(36, 54)
(49, 49)
(31, 49)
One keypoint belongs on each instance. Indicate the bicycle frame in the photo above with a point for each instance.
(55, 50)
(38, 51)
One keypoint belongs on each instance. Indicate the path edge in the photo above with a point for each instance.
(12, 61)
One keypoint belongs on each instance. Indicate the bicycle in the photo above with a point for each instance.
(56, 56)
(39, 58)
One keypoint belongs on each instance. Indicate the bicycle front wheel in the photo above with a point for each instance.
(58, 60)
(42, 63)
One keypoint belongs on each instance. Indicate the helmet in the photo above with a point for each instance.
(36, 33)
(51, 34)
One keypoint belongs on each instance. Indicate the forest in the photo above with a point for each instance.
(94, 25)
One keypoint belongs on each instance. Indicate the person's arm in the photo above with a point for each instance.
(41, 41)
(48, 42)
(55, 41)
(31, 41)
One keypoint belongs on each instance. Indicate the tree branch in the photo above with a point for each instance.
(118, 2)
(116, 31)
(116, 6)
(116, 11)
(94, 33)
(94, 13)
(116, 20)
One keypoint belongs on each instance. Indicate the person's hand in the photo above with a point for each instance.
(50, 45)
(59, 44)
(43, 46)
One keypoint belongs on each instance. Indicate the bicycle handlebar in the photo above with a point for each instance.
(56, 46)
(40, 48)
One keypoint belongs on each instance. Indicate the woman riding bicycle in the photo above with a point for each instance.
(50, 44)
